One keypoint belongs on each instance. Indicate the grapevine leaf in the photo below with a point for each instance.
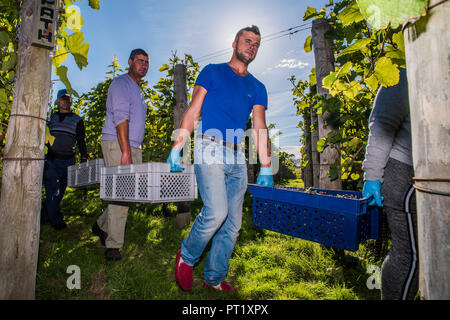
(354, 176)
(310, 12)
(78, 49)
(4, 38)
(321, 144)
(386, 72)
(382, 13)
(308, 44)
(164, 67)
(61, 72)
(60, 56)
(333, 172)
(75, 20)
(3, 96)
(372, 82)
(94, 4)
(10, 63)
(351, 15)
(356, 46)
(312, 77)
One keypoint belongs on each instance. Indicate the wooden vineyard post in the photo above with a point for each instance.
(183, 217)
(324, 62)
(24, 151)
(427, 44)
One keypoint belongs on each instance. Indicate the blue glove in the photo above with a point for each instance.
(174, 160)
(372, 189)
(265, 177)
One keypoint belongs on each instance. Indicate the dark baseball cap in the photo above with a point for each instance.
(62, 93)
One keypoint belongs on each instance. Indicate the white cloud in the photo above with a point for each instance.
(292, 64)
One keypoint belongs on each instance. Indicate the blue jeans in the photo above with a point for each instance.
(222, 181)
(55, 182)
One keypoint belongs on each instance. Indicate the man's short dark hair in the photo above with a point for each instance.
(252, 28)
(136, 52)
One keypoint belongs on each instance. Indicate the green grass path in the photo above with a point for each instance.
(264, 264)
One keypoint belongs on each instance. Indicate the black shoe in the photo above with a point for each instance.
(60, 225)
(100, 233)
(112, 254)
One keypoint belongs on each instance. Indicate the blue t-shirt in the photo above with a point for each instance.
(229, 100)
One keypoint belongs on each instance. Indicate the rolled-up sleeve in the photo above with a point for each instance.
(119, 103)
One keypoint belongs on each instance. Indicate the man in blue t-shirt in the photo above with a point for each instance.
(224, 97)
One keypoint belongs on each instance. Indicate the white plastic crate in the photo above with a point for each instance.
(148, 182)
(85, 173)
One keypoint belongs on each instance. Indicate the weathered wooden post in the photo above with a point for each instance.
(24, 150)
(324, 61)
(315, 155)
(307, 171)
(183, 217)
(427, 44)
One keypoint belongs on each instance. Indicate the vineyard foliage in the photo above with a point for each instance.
(365, 59)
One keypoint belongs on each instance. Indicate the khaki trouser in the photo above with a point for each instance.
(114, 219)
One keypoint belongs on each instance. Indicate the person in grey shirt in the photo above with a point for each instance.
(122, 136)
(388, 172)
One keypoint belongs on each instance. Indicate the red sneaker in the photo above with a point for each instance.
(223, 286)
(183, 273)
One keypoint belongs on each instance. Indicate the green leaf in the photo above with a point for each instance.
(312, 77)
(399, 40)
(78, 49)
(372, 82)
(321, 144)
(358, 45)
(61, 72)
(10, 63)
(310, 12)
(345, 68)
(3, 96)
(354, 143)
(351, 15)
(308, 44)
(94, 4)
(75, 20)
(386, 72)
(352, 90)
(333, 173)
(4, 38)
(75, 41)
(81, 56)
(355, 176)
(164, 67)
(60, 56)
(329, 80)
(397, 55)
(382, 13)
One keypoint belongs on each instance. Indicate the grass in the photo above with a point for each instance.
(264, 264)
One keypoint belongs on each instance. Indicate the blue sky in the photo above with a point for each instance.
(201, 27)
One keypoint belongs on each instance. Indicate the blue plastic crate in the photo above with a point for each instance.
(318, 215)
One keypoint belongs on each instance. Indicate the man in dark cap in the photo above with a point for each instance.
(64, 130)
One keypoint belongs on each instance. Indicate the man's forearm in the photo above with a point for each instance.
(190, 118)
(263, 146)
(122, 137)
(186, 128)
